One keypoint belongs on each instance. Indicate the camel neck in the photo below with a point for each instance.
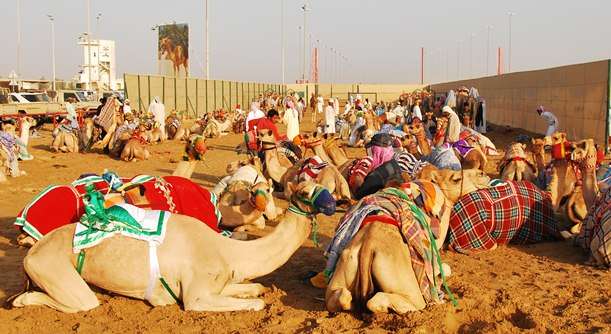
(590, 185)
(274, 169)
(423, 143)
(320, 152)
(256, 258)
(185, 169)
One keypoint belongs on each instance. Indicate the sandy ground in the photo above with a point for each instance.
(541, 288)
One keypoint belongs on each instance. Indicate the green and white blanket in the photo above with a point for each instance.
(123, 219)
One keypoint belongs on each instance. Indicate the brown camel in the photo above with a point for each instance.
(376, 269)
(64, 141)
(417, 130)
(515, 165)
(203, 269)
(595, 234)
(175, 128)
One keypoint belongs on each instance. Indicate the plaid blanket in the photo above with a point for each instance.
(595, 234)
(516, 212)
(413, 221)
(107, 114)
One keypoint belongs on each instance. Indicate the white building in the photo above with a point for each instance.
(103, 64)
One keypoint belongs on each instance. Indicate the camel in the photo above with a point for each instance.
(64, 140)
(337, 154)
(418, 131)
(329, 177)
(87, 135)
(473, 158)
(205, 269)
(134, 149)
(176, 53)
(378, 253)
(246, 198)
(594, 235)
(175, 128)
(564, 181)
(515, 165)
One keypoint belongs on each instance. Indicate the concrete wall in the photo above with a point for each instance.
(375, 92)
(192, 96)
(577, 94)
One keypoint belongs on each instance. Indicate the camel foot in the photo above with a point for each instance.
(244, 290)
(340, 300)
(39, 298)
(576, 228)
(382, 302)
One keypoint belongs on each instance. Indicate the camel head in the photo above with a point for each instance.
(557, 138)
(311, 198)
(195, 148)
(261, 195)
(515, 149)
(585, 153)
(537, 146)
(455, 184)
(442, 123)
(416, 129)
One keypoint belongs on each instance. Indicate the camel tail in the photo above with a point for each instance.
(364, 286)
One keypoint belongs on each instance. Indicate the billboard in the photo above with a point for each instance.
(173, 50)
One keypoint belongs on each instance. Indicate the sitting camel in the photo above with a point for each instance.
(65, 139)
(175, 128)
(562, 178)
(246, 198)
(470, 155)
(515, 166)
(595, 234)
(195, 266)
(376, 268)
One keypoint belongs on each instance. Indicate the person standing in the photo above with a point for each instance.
(550, 118)
(330, 117)
(157, 109)
(291, 118)
(416, 112)
(300, 107)
(452, 134)
(127, 109)
(320, 102)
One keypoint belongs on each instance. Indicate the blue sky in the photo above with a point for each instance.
(380, 38)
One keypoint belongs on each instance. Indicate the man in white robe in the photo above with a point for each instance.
(255, 113)
(330, 117)
(550, 118)
(157, 109)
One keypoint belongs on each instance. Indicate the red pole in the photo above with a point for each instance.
(499, 61)
(422, 66)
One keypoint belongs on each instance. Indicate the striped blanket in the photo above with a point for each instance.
(413, 223)
(311, 168)
(409, 164)
(516, 212)
(595, 234)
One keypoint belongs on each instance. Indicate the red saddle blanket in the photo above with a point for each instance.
(60, 205)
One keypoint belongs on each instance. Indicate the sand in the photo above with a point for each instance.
(541, 288)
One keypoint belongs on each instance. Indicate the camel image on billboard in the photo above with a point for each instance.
(173, 50)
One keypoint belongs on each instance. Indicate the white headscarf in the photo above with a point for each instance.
(451, 99)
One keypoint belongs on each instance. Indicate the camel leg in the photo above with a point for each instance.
(383, 301)
(243, 290)
(339, 300)
(218, 303)
(66, 289)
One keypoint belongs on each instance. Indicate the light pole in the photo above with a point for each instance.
(488, 51)
(90, 87)
(97, 25)
(52, 20)
(18, 39)
(458, 60)
(282, 38)
(305, 11)
(207, 50)
(156, 42)
(471, 55)
(300, 55)
(510, 14)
